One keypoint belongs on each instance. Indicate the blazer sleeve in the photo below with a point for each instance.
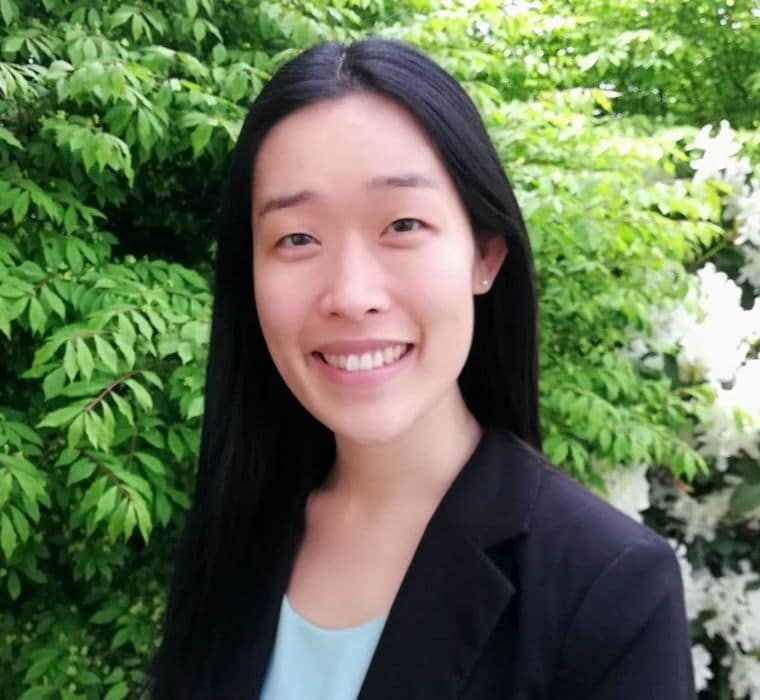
(629, 637)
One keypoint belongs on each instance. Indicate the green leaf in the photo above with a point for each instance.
(115, 676)
(199, 29)
(15, 289)
(130, 521)
(21, 523)
(7, 136)
(60, 417)
(176, 446)
(75, 431)
(106, 503)
(107, 354)
(143, 518)
(195, 407)
(31, 486)
(117, 692)
(8, 538)
(70, 361)
(153, 378)
(13, 44)
(6, 484)
(70, 220)
(44, 657)
(84, 358)
(93, 493)
(126, 330)
(105, 615)
(47, 351)
(14, 585)
(126, 348)
(140, 393)
(124, 407)
(116, 521)
(745, 498)
(20, 206)
(73, 255)
(66, 457)
(5, 321)
(163, 508)
(141, 322)
(94, 429)
(53, 301)
(37, 316)
(24, 431)
(88, 678)
(200, 138)
(80, 470)
(556, 448)
(151, 463)
(53, 382)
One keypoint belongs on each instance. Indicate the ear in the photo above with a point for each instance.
(489, 257)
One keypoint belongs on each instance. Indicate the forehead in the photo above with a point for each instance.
(339, 144)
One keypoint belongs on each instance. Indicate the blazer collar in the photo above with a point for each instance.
(453, 593)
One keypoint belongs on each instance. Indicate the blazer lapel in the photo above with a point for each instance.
(453, 593)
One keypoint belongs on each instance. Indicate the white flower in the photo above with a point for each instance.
(628, 489)
(719, 152)
(744, 677)
(701, 517)
(701, 660)
(734, 609)
(696, 584)
(640, 352)
(747, 209)
(735, 176)
(715, 338)
(750, 271)
(732, 423)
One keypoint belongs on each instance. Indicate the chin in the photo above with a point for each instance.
(373, 432)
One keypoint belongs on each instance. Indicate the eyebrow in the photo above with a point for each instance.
(376, 183)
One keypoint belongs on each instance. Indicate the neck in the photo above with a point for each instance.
(415, 468)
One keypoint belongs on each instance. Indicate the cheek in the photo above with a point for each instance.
(443, 283)
(442, 297)
(280, 310)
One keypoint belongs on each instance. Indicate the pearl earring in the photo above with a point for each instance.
(485, 283)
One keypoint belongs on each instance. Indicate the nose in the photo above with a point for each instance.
(355, 283)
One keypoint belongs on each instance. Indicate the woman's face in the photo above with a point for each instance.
(362, 250)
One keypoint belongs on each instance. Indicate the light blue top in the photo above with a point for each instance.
(314, 663)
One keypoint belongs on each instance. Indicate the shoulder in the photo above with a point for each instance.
(582, 557)
(604, 590)
(567, 519)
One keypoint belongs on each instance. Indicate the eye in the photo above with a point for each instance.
(295, 240)
(406, 222)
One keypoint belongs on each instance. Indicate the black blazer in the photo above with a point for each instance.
(524, 586)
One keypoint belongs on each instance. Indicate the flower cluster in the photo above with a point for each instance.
(628, 489)
(714, 341)
(712, 331)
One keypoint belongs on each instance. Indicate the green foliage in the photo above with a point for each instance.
(116, 123)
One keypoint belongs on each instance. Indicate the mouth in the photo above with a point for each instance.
(367, 361)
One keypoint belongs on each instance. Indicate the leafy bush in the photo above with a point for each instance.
(115, 126)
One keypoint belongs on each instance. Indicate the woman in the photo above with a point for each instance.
(373, 517)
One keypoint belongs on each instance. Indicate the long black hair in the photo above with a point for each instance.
(261, 451)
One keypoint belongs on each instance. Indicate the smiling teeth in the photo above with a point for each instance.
(367, 360)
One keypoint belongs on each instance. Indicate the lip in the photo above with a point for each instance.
(363, 377)
(357, 347)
